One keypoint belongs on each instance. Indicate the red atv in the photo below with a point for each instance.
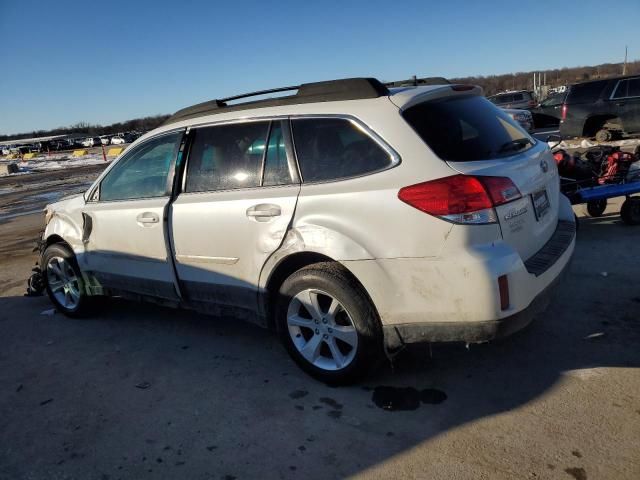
(597, 166)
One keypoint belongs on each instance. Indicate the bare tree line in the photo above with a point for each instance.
(138, 124)
(555, 78)
(491, 84)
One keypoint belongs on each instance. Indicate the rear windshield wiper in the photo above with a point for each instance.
(517, 144)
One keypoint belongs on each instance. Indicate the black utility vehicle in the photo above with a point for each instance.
(602, 109)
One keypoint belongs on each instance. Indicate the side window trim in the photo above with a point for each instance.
(263, 162)
(95, 189)
(395, 157)
(289, 145)
(285, 125)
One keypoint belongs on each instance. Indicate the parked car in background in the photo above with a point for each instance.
(104, 139)
(117, 140)
(602, 108)
(549, 112)
(521, 99)
(523, 117)
(87, 142)
(348, 216)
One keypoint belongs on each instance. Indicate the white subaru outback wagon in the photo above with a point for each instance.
(351, 217)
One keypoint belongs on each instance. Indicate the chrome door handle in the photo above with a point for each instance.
(264, 210)
(148, 218)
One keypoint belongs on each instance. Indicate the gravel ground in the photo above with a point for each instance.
(140, 391)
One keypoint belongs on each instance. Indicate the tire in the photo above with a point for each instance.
(630, 211)
(63, 281)
(334, 358)
(596, 207)
(603, 135)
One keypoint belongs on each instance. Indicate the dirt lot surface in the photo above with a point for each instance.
(139, 391)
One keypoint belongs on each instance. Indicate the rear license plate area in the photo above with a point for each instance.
(541, 203)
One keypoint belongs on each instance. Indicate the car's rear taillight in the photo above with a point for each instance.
(532, 103)
(563, 112)
(461, 198)
(500, 189)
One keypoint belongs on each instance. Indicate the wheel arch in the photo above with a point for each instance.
(595, 122)
(289, 264)
(55, 238)
(63, 229)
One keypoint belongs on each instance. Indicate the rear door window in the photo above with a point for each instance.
(467, 128)
(335, 148)
(226, 157)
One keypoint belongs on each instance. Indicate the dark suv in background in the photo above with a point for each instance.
(602, 108)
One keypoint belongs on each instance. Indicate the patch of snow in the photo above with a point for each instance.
(584, 143)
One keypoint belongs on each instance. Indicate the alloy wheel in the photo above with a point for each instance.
(63, 282)
(322, 330)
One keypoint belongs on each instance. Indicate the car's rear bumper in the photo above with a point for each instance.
(471, 332)
(456, 296)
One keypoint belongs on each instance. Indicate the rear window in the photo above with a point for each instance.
(335, 148)
(467, 128)
(585, 92)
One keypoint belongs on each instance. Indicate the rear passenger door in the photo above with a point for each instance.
(238, 197)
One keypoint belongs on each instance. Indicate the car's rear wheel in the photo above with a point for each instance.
(328, 324)
(596, 207)
(630, 211)
(603, 135)
(63, 281)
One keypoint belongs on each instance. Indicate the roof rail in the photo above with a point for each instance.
(414, 82)
(328, 91)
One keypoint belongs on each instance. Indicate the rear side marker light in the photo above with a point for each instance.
(461, 198)
(503, 286)
(564, 112)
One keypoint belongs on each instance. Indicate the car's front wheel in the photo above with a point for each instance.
(63, 281)
(328, 324)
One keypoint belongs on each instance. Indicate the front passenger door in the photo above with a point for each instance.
(125, 221)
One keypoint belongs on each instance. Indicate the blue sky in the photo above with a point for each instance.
(62, 62)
